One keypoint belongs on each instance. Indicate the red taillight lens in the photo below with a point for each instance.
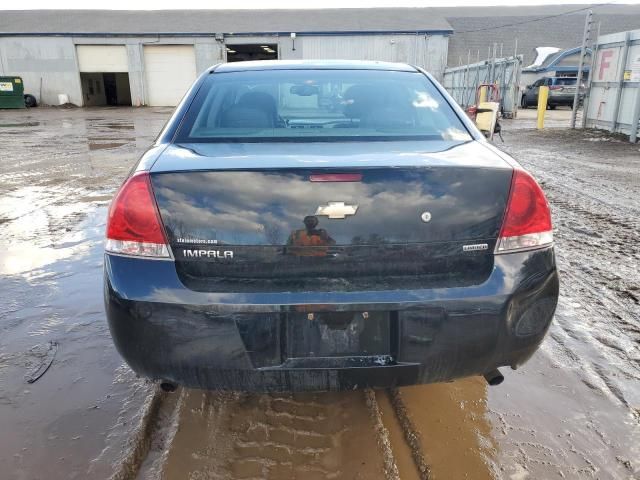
(133, 226)
(555, 87)
(527, 222)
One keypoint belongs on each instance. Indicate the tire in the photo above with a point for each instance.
(30, 101)
(523, 102)
(552, 107)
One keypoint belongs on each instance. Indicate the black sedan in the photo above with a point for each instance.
(323, 226)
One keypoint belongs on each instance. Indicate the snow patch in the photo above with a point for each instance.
(542, 53)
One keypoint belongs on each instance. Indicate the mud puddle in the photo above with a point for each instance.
(424, 432)
(234, 436)
(450, 425)
(66, 417)
(77, 419)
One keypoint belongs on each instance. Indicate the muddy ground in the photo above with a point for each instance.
(572, 412)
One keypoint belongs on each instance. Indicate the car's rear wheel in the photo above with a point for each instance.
(552, 107)
(523, 102)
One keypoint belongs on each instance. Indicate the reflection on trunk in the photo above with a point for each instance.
(392, 228)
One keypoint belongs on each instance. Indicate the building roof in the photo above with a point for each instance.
(336, 21)
(475, 29)
(557, 61)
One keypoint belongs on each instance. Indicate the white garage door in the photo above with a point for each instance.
(102, 58)
(169, 70)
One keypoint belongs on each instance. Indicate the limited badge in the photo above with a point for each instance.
(475, 248)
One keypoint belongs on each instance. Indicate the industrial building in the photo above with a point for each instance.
(151, 57)
(110, 57)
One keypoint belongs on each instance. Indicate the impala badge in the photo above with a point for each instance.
(336, 210)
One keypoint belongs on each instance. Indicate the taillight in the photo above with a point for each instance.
(527, 222)
(133, 225)
(555, 87)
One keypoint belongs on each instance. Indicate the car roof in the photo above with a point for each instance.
(311, 65)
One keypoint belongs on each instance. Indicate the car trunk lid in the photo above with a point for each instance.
(363, 227)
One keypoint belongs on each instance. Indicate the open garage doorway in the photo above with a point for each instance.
(101, 89)
(263, 51)
(103, 75)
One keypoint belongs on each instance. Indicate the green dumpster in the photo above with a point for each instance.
(11, 92)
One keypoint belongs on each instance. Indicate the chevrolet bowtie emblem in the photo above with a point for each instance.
(336, 210)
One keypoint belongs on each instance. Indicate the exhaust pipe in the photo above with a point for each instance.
(168, 387)
(494, 377)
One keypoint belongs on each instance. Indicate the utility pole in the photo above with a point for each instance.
(594, 59)
(585, 41)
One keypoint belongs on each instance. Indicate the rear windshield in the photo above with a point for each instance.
(299, 105)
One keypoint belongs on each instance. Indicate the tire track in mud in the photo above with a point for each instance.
(250, 436)
(596, 213)
(599, 289)
(363, 434)
(223, 435)
(391, 471)
(411, 434)
(140, 440)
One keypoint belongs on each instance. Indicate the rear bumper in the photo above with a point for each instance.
(235, 341)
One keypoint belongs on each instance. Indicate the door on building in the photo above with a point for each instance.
(102, 89)
(104, 75)
(244, 52)
(169, 72)
(110, 88)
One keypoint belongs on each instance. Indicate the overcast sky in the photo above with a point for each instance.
(207, 4)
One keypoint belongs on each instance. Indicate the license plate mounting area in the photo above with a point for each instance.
(328, 334)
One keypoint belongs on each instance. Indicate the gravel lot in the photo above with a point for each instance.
(572, 412)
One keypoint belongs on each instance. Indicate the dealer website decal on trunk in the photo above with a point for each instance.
(201, 241)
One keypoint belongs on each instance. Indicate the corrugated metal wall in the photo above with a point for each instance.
(614, 97)
(426, 51)
(49, 64)
(462, 82)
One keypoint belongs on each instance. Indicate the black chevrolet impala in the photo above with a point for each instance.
(321, 226)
